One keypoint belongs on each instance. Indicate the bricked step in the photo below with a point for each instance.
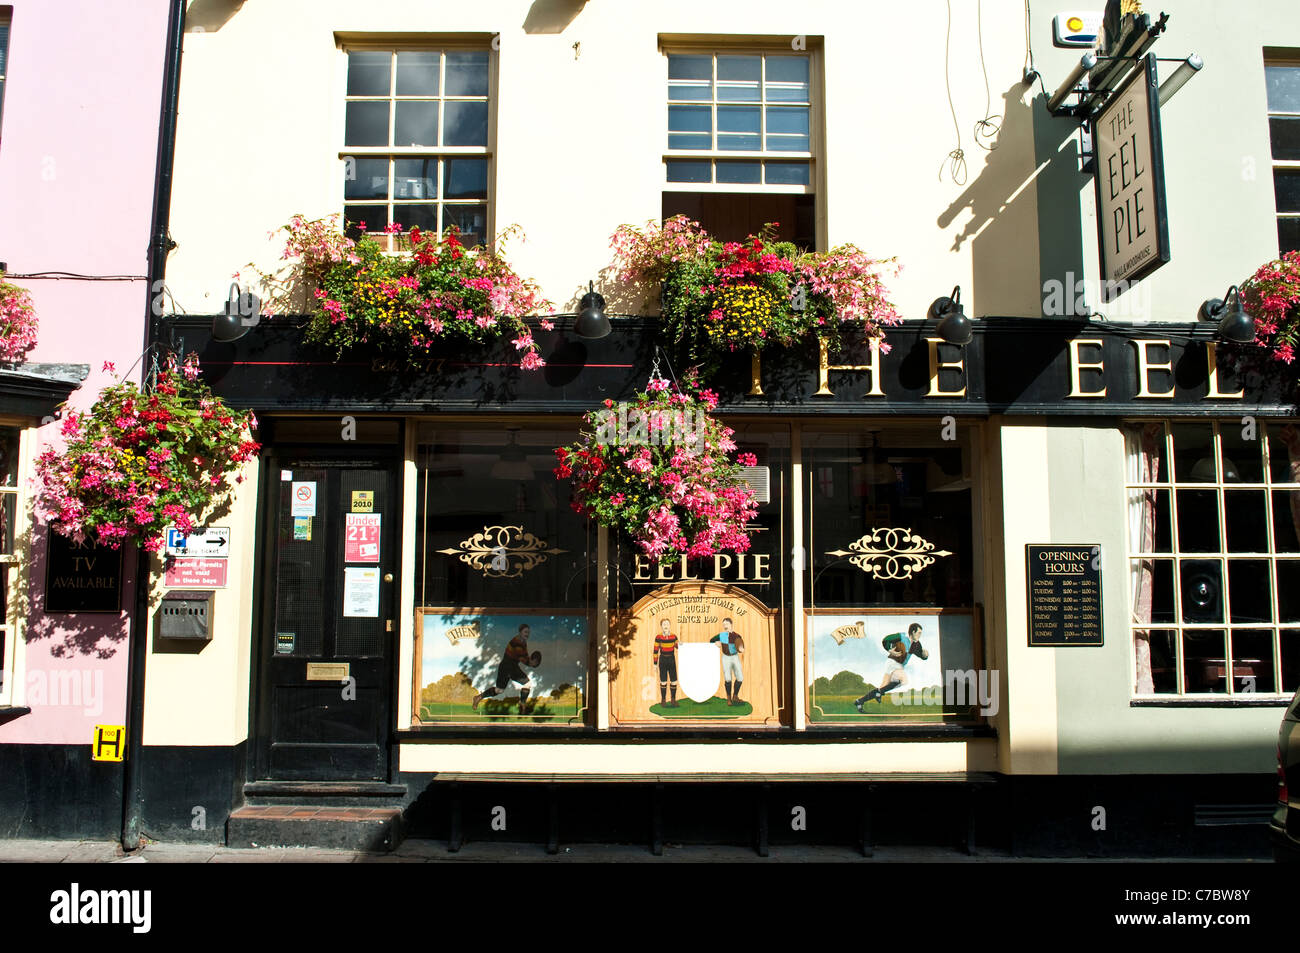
(288, 825)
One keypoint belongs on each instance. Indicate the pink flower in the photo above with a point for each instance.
(747, 460)
(531, 361)
(657, 385)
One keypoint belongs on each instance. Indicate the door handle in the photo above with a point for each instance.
(388, 577)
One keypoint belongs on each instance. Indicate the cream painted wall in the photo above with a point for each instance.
(580, 137)
(196, 695)
(1099, 731)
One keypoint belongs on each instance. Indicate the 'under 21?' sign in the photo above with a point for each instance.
(1132, 222)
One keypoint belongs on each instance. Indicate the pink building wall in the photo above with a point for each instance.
(78, 141)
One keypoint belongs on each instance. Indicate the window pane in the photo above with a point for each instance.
(1286, 521)
(1286, 187)
(1283, 453)
(1288, 235)
(689, 170)
(417, 74)
(786, 173)
(1243, 460)
(1201, 590)
(1290, 659)
(787, 79)
(1245, 519)
(1164, 661)
(1288, 590)
(738, 78)
(465, 179)
(424, 217)
(373, 218)
(1283, 88)
(690, 77)
(787, 128)
(738, 127)
(1198, 521)
(8, 516)
(366, 124)
(1194, 453)
(467, 73)
(748, 173)
(8, 456)
(689, 127)
(1204, 663)
(415, 179)
(1284, 133)
(1248, 590)
(368, 73)
(466, 124)
(470, 219)
(1252, 652)
(1153, 590)
(365, 178)
(417, 124)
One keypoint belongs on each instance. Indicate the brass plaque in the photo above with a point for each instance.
(328, 671)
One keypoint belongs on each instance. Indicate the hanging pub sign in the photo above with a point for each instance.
(81, 577)
(1132, 220)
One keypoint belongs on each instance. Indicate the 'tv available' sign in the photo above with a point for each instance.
(1131, 219)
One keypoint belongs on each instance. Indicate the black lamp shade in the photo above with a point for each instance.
(228, 327)
(592, 322)
(1235, 324)
(954, 327)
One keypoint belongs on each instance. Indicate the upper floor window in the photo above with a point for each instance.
(10, 486)
(1283, 79)
(1214, 547)
(5, 17)
(416, 140)
(742, 142)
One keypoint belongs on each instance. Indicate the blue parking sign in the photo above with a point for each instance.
(175, 539)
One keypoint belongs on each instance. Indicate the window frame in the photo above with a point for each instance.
(442, 46)
(6, 29)
(13, 621)
(1176, 556)
(1290, 59)
(743, 46)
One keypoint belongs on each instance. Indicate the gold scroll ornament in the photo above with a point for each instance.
(891, 553)
(503, 552)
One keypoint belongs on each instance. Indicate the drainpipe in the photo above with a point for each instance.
(159, 245)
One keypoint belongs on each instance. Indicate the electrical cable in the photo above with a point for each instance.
(56, 275)
(986, 129)
(956, 159)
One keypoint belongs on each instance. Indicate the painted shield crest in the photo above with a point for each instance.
(699, 670)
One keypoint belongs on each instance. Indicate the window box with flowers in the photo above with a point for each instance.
(722, 297)
(402, 306)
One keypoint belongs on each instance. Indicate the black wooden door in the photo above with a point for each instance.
(326, 647)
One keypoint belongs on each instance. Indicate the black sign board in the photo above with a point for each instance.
(82, 577)
(1064, 584)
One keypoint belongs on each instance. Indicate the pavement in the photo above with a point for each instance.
(417, 851)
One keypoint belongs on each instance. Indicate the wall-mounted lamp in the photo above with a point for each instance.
(954, 327)
(1186, 70)
(243, 311)
(1235, 324)
(592, 322)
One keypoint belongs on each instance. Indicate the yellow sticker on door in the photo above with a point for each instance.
(363, 501)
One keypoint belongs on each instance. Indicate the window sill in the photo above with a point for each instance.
(1185, 701)
(10, 712)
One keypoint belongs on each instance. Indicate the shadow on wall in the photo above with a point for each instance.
(209, 16)
(1004, 233)
(551, 16)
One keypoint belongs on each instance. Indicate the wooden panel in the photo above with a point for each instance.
(695, 612)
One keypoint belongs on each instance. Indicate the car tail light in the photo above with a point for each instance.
(1282, 797)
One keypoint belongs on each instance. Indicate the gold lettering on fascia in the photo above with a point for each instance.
(1078, 365)
(1212, 366)
(750, 569)
(937, 366)
(824, 368)
(1145, 366)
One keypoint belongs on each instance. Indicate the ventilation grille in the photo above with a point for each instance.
(760, 481)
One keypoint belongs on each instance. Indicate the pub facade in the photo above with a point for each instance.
(1011, 576)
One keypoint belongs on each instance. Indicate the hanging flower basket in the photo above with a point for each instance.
(401, 305)
(17, 323)
(719, 297)
(138, 461)
(1272, 296)
(662, 470)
